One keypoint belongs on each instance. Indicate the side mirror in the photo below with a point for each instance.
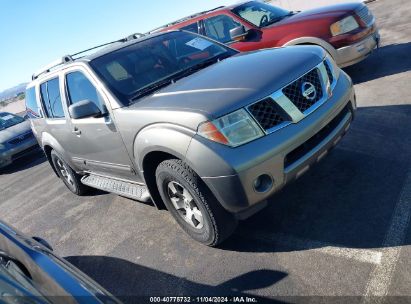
(238, 33)
(83, 109)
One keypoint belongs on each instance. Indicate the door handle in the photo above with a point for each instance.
(76, 131)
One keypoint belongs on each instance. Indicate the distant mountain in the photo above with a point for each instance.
(12, 92)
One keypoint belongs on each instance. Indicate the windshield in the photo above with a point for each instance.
(8, 120)
(260, 14)
(150, 64)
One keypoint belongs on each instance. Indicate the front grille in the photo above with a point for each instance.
(314, 141)
(21, 138)
(294, 91)
(267, 113)
(329, 73)
(365, 15)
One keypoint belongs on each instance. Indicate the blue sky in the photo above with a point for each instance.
(36, 32)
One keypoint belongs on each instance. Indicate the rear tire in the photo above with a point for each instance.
(70, 178)
(192, 204)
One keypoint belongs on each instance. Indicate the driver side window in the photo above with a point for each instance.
(79, 88)
(218, 27)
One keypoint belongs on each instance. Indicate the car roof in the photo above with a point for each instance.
(119, 45)
(199, 15)
(104, 49)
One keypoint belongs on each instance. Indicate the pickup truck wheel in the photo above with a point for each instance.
(70, 178)
(192, 204)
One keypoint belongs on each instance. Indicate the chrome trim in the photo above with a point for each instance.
(326, 87)
(333, 66)
(289, 107)
(365, 15)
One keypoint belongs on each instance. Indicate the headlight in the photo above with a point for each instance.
(344, 26)
(232, 130)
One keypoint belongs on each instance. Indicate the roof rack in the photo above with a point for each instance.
(70, 58)
(184, 19)
(134, 36)
(50, 66)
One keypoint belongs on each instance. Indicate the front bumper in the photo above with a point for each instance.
(278, 155)
(357, 52)
(14, 153)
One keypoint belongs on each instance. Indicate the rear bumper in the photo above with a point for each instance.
(357, 52)
(283, 155)
(23, 149)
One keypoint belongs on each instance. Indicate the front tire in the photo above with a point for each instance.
(192, 204)
(70, 178)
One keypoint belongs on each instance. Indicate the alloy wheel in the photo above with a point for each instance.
(185, 205)
(65, 173)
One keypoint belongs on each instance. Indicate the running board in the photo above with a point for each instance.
(133, 191)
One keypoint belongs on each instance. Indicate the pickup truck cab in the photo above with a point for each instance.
(347, 31)
(189, 123)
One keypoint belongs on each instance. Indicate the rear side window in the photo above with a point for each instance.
(191, 28)
(218, 27)
(50, 95)
(79, 87)
(32, 107)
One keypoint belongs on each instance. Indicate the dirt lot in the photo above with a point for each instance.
(341, 230)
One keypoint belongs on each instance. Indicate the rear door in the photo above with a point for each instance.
(54, 117)
(94, 143)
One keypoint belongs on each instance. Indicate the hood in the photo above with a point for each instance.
(236, 81)
(331, 11)
(14, 131)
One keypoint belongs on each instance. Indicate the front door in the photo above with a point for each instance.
(95, 143)
(218, 28)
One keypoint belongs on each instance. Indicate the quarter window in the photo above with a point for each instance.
(191, 28)
(218, 27)
(50, 95)
(32, 108)
(80, 88)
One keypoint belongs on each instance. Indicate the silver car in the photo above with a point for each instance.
(191, 124)
(16, 138)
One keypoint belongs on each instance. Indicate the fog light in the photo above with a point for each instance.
(263, 183)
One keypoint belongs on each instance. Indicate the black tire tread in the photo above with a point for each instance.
(222, 221)
(80, 188)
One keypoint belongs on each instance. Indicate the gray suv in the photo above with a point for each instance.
(190, 124)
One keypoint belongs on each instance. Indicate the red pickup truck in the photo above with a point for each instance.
(347, 31)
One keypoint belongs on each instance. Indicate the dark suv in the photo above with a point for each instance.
(189, 123)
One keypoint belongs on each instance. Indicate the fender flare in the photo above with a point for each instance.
(48, 140)
(317, 41)
(161, 137)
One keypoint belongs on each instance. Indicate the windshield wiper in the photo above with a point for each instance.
(151, 88)
(178, 75)
(194, 68)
